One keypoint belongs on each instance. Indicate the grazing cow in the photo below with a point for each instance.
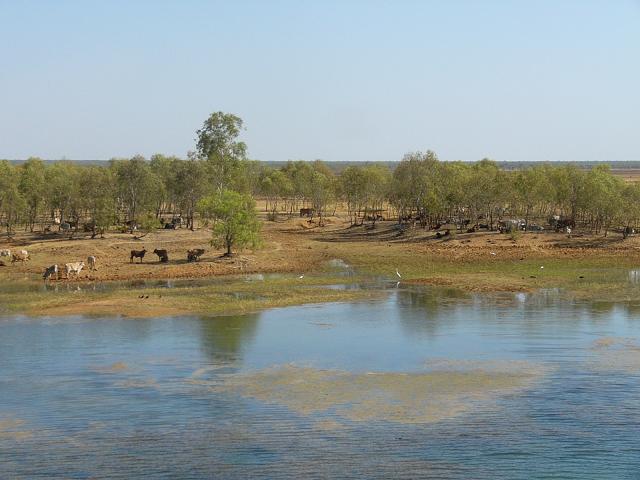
(49, 272)
(169, 226)
(306, 212)
(137, 254)
(195, 254)
(74, 268)
(5, 253)
(65, 227)
(163, 256)
(20, 255)
(91, 262)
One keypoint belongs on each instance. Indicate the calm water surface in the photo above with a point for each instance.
(114, 398)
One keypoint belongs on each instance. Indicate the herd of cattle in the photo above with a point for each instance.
(74, 268)
(163, 256)
(70, 269)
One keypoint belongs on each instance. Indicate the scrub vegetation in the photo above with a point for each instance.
(471, 226)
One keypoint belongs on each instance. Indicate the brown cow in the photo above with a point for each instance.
(195, 254)
(306, 212)
(163, 256)
(137, 254)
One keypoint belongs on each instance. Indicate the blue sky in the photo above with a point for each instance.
(336, 80)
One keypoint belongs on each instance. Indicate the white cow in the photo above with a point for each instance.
(20, 255)
(91, 262)
(74, 268)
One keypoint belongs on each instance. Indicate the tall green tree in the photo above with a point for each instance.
(32, 187)
(98, 191)
(12, 203)
(139, 188)
(217, 143)
(236, 223)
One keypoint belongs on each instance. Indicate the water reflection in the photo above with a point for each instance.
(145, 397)
(225, 338)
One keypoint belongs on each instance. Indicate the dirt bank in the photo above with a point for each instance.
(483, 261)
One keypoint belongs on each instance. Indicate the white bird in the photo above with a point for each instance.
(301, 276)
(541, 266)
(493, 253)
(398, 273)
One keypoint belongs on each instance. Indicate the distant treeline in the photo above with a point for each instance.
(339, 166)
(420, 189)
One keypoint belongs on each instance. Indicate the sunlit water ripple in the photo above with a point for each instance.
(239, 397)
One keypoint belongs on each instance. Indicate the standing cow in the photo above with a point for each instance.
(74, 268)
(49, 272)
(163, 255)
(20, 256)
(91, 262)
(137, 254)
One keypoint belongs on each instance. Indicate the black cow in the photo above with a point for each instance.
(163, 256)
(306, 212)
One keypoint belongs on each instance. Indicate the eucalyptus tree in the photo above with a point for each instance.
(32, 186)
(62, 192)
(275, 186)
(321, 193)
(485, 190)
(235, 222)
(164, 168)
(376, 180)
(630, 207)
(12, 203)
(569, 185)
(416, 186)
(603, 198)
(352, 189)
(301, 176)
(98, 193)
(217, 143)
(531, 187)
(139, 187)
(190, 186)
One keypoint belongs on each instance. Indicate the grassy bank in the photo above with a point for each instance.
(588, 267)
(223, 298)
(593, 275)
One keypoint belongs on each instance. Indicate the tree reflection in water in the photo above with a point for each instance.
(226, 338)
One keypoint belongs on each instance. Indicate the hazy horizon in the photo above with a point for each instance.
(337, 81)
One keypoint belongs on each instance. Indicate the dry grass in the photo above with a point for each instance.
(233, 297)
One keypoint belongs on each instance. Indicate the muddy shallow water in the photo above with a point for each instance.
(424, 383)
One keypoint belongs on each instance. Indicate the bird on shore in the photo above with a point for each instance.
(300, 277)
(398, 273)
